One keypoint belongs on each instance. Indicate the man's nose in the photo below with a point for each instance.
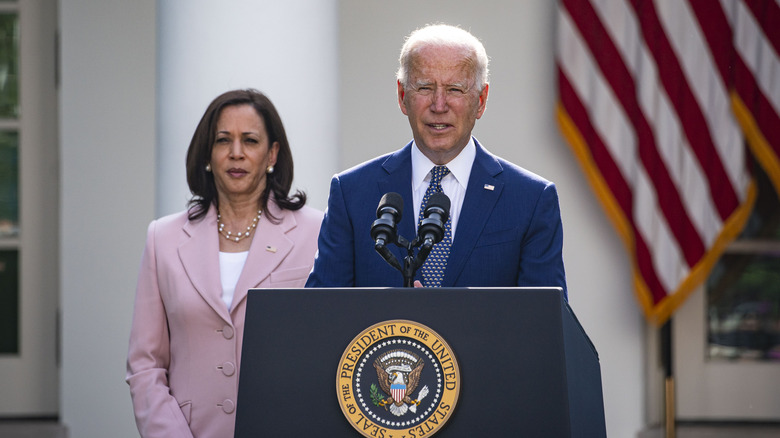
(439, 100)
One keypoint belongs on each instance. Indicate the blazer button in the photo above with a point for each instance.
(227, 368)
(227, 332)
(227, 406)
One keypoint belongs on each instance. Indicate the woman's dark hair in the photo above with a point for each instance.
(201, 182)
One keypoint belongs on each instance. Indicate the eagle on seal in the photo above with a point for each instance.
(397, 385)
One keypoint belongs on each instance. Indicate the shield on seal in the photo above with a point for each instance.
(398, 391)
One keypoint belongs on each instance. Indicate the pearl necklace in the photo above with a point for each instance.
(240, 235)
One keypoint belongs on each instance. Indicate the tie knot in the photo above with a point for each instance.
(437, 173)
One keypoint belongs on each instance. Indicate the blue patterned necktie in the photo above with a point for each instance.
(433, 268)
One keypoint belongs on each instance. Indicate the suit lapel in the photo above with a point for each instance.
(270, 245)
(482, 194)
(199, 254)
(398, 177)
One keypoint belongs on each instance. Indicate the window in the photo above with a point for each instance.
(743, 290)
(9, 178)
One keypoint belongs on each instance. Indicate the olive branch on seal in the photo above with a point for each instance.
(376, 396)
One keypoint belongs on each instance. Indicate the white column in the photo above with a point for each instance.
(106, 113)
(288, 50)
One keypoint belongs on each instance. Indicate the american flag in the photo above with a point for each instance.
(665, 103)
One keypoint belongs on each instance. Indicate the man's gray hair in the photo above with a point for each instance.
(446, 36)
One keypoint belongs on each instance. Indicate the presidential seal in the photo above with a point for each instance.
(398, 379)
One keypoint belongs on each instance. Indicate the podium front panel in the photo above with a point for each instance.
(512, 346)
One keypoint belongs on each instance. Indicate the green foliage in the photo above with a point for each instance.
(376, 395)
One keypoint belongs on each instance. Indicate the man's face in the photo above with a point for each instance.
(442, 101)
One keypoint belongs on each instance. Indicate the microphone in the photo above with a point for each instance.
(431, 229)
(388, 214)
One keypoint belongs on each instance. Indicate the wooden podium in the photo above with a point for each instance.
(527, 368)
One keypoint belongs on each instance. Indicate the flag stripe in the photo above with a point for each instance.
(646, 224)
(761, 108)
(757, 80)
(759, 51)
(686, 105)
(767, 14)
(684, 168)
(713, 96)
(717, 31)
(617, 200)
(758, 71)
(615, 72)
(656, 99)
(599, 157)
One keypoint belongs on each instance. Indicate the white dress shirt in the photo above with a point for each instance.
(454, 184)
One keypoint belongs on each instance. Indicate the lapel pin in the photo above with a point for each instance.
(270, 248)
(489, 187)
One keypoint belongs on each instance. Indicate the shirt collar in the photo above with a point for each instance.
(460, 166)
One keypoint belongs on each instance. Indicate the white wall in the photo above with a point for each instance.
(114, 180)
(519, 125)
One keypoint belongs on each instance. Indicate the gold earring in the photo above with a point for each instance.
(208, 167)
(269, 169)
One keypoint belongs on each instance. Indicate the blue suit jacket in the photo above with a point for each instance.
(509, 232)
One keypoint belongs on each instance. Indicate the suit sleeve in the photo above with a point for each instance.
(157, 413)
(334, 264)
(541, 262)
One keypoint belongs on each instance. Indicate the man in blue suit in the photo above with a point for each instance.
(505, 224)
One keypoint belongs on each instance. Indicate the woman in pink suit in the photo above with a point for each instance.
(242, 230)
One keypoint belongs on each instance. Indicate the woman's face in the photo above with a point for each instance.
(241, 154)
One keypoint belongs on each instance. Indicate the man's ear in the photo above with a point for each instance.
(483, 95)
(401, 95)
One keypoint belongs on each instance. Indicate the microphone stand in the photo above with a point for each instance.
(411, 262)
(384, 231)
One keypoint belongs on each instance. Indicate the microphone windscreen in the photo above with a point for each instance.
(439, 200)
(392, 199)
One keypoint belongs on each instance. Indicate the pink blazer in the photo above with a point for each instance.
(185, 348)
